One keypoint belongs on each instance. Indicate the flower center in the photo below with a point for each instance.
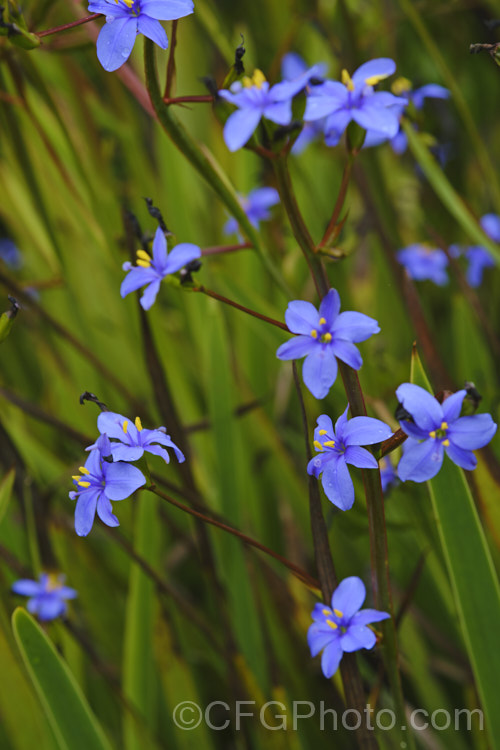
(143, 260)
(347, 80)
(334, 623)
(441, 434)
(322, 336)
(336, 445)
(256, 80)
(81, 482)
(133, 5)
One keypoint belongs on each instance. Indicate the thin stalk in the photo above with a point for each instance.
(237, 306)
(194, 99)
(171, 61)
(67, 26)
(222, 249)
(332, 224)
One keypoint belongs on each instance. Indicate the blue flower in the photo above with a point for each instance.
(48, 595)
(341, 446)
(127, 18)
(10, 254)
(325, 335)
(479, 259)
(133, 439)
(99, 483)
(423, 262)
(256, 99)
(436, 429)
(256, 206)
(388, 476)
(342, 628)
(292, 66)
(355, 99)
(150, 272)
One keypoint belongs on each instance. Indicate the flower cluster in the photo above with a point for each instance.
(48, 595)
(107, 476)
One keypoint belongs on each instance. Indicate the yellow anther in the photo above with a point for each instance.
(247, 82)
(332, 624)
(329, 443)
(53, 582)
(326, 611)
(318, 445)
(83, 470)
(128, 3)
(373, 80)
(347, 80)
(338, 613)
(444, 425)
(322, 321)
(258, 78)
(322, 432)
(432, 434)
(446, 443)
(401, 85)
(327, 337)
(125, 426)
(76, 477)
(314, 333)
(138, 423)
(144, 263)
(83, 484)
(143, 255)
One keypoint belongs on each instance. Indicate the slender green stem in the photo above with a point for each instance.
(204, 162)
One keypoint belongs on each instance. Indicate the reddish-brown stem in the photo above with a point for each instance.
(221, 249)
(247, 310)
(331, 228)
(298, 572)
(67, 26)
(171, 61)
(194, 99)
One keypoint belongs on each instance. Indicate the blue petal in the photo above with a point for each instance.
(167, 10)
(491, 226)
(360, 457)
(337, 484)
(330, 307)
(160, 250)
(340, 423)
(318, 637)
(50, 606)
(355, 327)
(93, 464)
(301, 317)
(429, 91)
(122, 452)
(452, 406)
(292, 66)
(262, 198)
(356, 637)
(240, 126)
(115, 42)
(136, 278)
(365, 431)
(157, 450)
(381, 67)
(324, 423)
(367, 616)
(347, 352)
(421, 461)
(153, 30)
(85, 511)
(104, 511)
(413, 431)
(26, 587)
(335, 126)
(297, 347)
(317, 464)
(425, 410)
(473, 432)
(461, 457)
(181, 255)
(231, 226)
(111, 423)
(319, 371)
(349, 596)
(279, 112)
(149, 295)
(381, 119)
(122, 480)
(331, 659)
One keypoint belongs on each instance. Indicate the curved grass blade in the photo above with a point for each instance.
(6, 491)
(474, 582)
(68, 712)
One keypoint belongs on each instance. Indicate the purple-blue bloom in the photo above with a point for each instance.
(424, 263)
(388, 476)
(479, 259)
(436, 429)
(256, 206)
(10, 254)
(133, 439)
(150, 271)
(341, 446)
(355, 99)
(127, 18)
(324, 336)
(342, 628)
(47, 595)
(99, 483)
(255, 99)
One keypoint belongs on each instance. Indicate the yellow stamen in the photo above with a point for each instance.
(83, 484)
(322, 432)
(143, 255)
(143, 263)
(314, 333)
(329, 443)
(338, 613)
(327, 337)
(347, 80)
(446, 443)
(128, 3)
(444, 425)
(83, 470)
(318, 445)
(326, 611)
(332, 624)
(125, 426)
(373, 80)
(76, 477)
(432, 434)
(138, 423)
(400, 86)
(256, 80)
(322, 321)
